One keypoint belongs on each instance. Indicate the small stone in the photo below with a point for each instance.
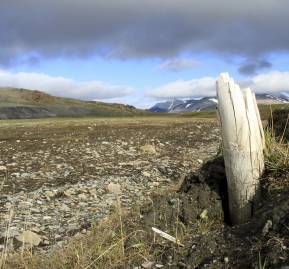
(68, 193)
(35, 229)
(30, 238)
(82, 196)
(114, 188)
(12, 232)
(49, 194)
(226, 259)
(3, 168)
(60, 243)
(57, 237)
(65, 208)
(148, 149)
(147, 265)
(46, 242)
(204, 215)
(35, 210)
(146, 174)
(74, 227)
(267, 227)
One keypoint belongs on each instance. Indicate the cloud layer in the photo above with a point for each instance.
(59, 86)
(137, 29)
(274, 81)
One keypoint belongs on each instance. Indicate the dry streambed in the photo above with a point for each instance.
(58, 177)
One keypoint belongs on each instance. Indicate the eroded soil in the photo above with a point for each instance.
(198, 214)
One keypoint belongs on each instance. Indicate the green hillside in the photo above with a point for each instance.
(23, 103)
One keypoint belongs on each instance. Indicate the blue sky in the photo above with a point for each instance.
(139, 73)
(139, 53)
(143, 75)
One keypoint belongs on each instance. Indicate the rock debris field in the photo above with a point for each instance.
(60, 176)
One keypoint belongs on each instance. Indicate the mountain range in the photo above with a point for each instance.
(210, 103)
(24, 104)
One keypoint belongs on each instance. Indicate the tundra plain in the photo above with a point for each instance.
(59, 176)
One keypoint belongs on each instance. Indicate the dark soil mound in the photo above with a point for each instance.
(198, 215)
(279, 123)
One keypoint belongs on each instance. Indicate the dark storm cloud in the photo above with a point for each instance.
(251, 67)
(137, 29)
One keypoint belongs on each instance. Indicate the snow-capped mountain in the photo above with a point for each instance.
(210, 103)
(166, 106)
(276, 98)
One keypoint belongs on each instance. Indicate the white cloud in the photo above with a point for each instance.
(60, 86)
(178, 64)
(274, 81)
(185, 88)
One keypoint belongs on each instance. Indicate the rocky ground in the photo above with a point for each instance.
(60, 176)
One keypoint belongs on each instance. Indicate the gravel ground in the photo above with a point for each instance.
(60, 176)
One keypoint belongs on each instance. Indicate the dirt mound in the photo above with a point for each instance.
(279, 122)
(198, 215)
(41, 97)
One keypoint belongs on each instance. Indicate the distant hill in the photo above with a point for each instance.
(210, 103)
(25, 104)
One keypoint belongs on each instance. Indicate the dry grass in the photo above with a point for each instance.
(276, 161)
(261, 262)
(115, 243)
(120, 241)
(103, 248)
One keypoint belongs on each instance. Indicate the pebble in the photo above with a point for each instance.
(148, 149)
(148, 265)
(28, 237)
(3, 168)
(114, 188)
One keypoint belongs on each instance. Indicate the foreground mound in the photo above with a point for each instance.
(198, 214)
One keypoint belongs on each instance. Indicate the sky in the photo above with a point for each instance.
(140, 52)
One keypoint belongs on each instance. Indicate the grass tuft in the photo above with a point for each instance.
(276, 161)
